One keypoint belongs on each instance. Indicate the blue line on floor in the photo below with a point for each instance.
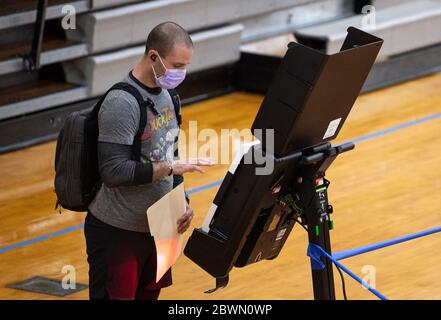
(401, 126)
(375, 246)
(204, 187)
(41, 238)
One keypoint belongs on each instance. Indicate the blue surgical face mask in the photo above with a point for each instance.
(171, 77)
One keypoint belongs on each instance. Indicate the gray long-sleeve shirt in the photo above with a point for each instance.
(127, 190)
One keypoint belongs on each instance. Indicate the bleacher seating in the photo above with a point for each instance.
(15, 13)
(272, 24)
(37, 95)
(404, 27)
(213, 47)
(125, 26)
(100, 4)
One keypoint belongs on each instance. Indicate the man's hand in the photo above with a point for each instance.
(185, 220)
(162, 168)
(190, 165)
(181, 168)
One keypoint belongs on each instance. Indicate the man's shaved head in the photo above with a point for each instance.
(165, 36)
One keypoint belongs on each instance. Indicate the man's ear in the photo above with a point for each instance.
(152, 55)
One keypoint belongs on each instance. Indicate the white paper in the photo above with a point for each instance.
(243, 149)
(332, 128)
(206, 225)
(162, 217)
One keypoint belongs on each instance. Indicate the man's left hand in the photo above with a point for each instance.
(185, 220)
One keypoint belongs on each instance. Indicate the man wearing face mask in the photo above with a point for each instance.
(121, 252)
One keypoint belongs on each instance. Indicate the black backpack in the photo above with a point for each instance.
(77, 178)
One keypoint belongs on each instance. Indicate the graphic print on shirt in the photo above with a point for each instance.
(159, 135)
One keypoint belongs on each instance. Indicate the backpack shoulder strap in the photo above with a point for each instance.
(177, 104)
(143, 104)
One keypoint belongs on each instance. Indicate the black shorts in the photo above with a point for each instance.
(122, 264)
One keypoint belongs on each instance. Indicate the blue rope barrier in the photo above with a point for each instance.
(375, 246)
(315, 252)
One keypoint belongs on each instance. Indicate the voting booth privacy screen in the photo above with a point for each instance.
(307, 104)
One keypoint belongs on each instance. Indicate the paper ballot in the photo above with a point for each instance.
(162, 217)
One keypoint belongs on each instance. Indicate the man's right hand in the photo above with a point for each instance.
(162, 168)
(183, 166)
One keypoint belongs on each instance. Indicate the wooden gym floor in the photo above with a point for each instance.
(387, 187)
